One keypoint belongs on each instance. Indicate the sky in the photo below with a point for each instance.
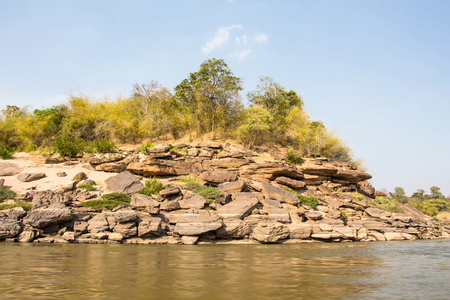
(375, 72)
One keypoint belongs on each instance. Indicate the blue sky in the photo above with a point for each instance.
(376, 72)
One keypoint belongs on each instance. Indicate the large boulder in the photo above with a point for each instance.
(232, 187)
(277, 214)
(318, 170)
(126, 229)
(225, 163)
(160, 167)
(27, 177)
(101, 158)
(217, 177)
(124, 215)
(270, 170)
(149, 227)
(299, 230)
(270, 232)
(196, 224)
(352, 176)
(98, 223)
(9, 229)
(41, 218)
(292, 183)
(111, 167)
(143, 201)
(377, 213)
(272, 192)
(241, 207)
(234, 228)
(9, 169)
(13, 214)
(124, 182)
(197, 202)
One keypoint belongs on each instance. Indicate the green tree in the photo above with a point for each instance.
(399, 195)
(257, 128)
(436, 192)
(211, 94)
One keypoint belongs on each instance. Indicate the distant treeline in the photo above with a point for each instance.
(430, 204)
(206, 102)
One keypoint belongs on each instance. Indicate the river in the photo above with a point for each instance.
(378, 270)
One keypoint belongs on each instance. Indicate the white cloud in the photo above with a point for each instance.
(221, 37)
(243, 54)
(230, 1)
(261, 38)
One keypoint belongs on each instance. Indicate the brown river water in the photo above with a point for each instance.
(379, 270)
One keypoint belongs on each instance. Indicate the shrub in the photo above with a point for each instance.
(357, 196)
(294, 158)
(306, 200)
(151, 186)
(143, 149)
(343, 216)
(108, 201)
(7, 194)
(6, 152)
(68, 145)
(387, 204)
(26, 206)
(187, 179)
(210, 193)
(86, 186)
(102, 146)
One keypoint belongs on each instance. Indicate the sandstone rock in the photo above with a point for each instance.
(241, 207)
(161, 148)
(318, 170)
(69, 236)
(41, 218)
(234, 228)
(373, 225)
(206, 153)
(377, 235)
(124, 182)
(270, 232)
(232, 187)
(351, 176)
(189, 240)
(277, 214)
(126, 229)
(314, 179)
(314, 215)
(393, 236)
(9, 229)
(405, 218)
(115, 236)
(124, 216)
(277, 193)
(80, 226)
(210, 144)
(143, 201)
(195, 224)
(366, 189)
(157, 167)
(169, 205)
(27, 236)
(292, 183)
(27, 177)
(271, 202)
(196, 201)
(225, 163)
(299, 230)
(193, 152)
(111, 167)
(295, 218)
(98, 223)
(347, 232)
(325, 227)
(377, 213)
(258, 171)
(326, 235)
(149, 227)
(9, 169)
(80, 176)
(217, 177)
(12, 214)
(61, 174)
(101, 158)
(170, 191)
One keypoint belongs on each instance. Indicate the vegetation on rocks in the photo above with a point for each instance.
(387, 204)
(6, 194)
(206, 102)
(294, 158)
(109, 201)
(26, 206)
(6, 152)
(306, 200)
(143, 149)
(151, 186)
(86, 186)
(210, 193)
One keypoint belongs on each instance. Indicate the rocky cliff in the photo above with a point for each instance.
(263, 199)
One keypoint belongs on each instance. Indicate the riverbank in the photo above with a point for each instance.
(209, 194)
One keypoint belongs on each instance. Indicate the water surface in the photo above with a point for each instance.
(393, 270)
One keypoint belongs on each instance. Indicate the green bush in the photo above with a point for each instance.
(151, 186)
(7, 194)
(6, 152)
(86, 186)
(26, 206)
(102, 146)
(357, 196)
(210, 193)
(306, 200)
(68, 145)
(143, 149)
(108, 201)
(294, 158)
(187, 179)
(343, 216)
(387, 204)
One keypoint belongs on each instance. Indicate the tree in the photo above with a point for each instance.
(257, 128)
(436, 192)
(211, 94)
(399, 195)
(274, 97)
